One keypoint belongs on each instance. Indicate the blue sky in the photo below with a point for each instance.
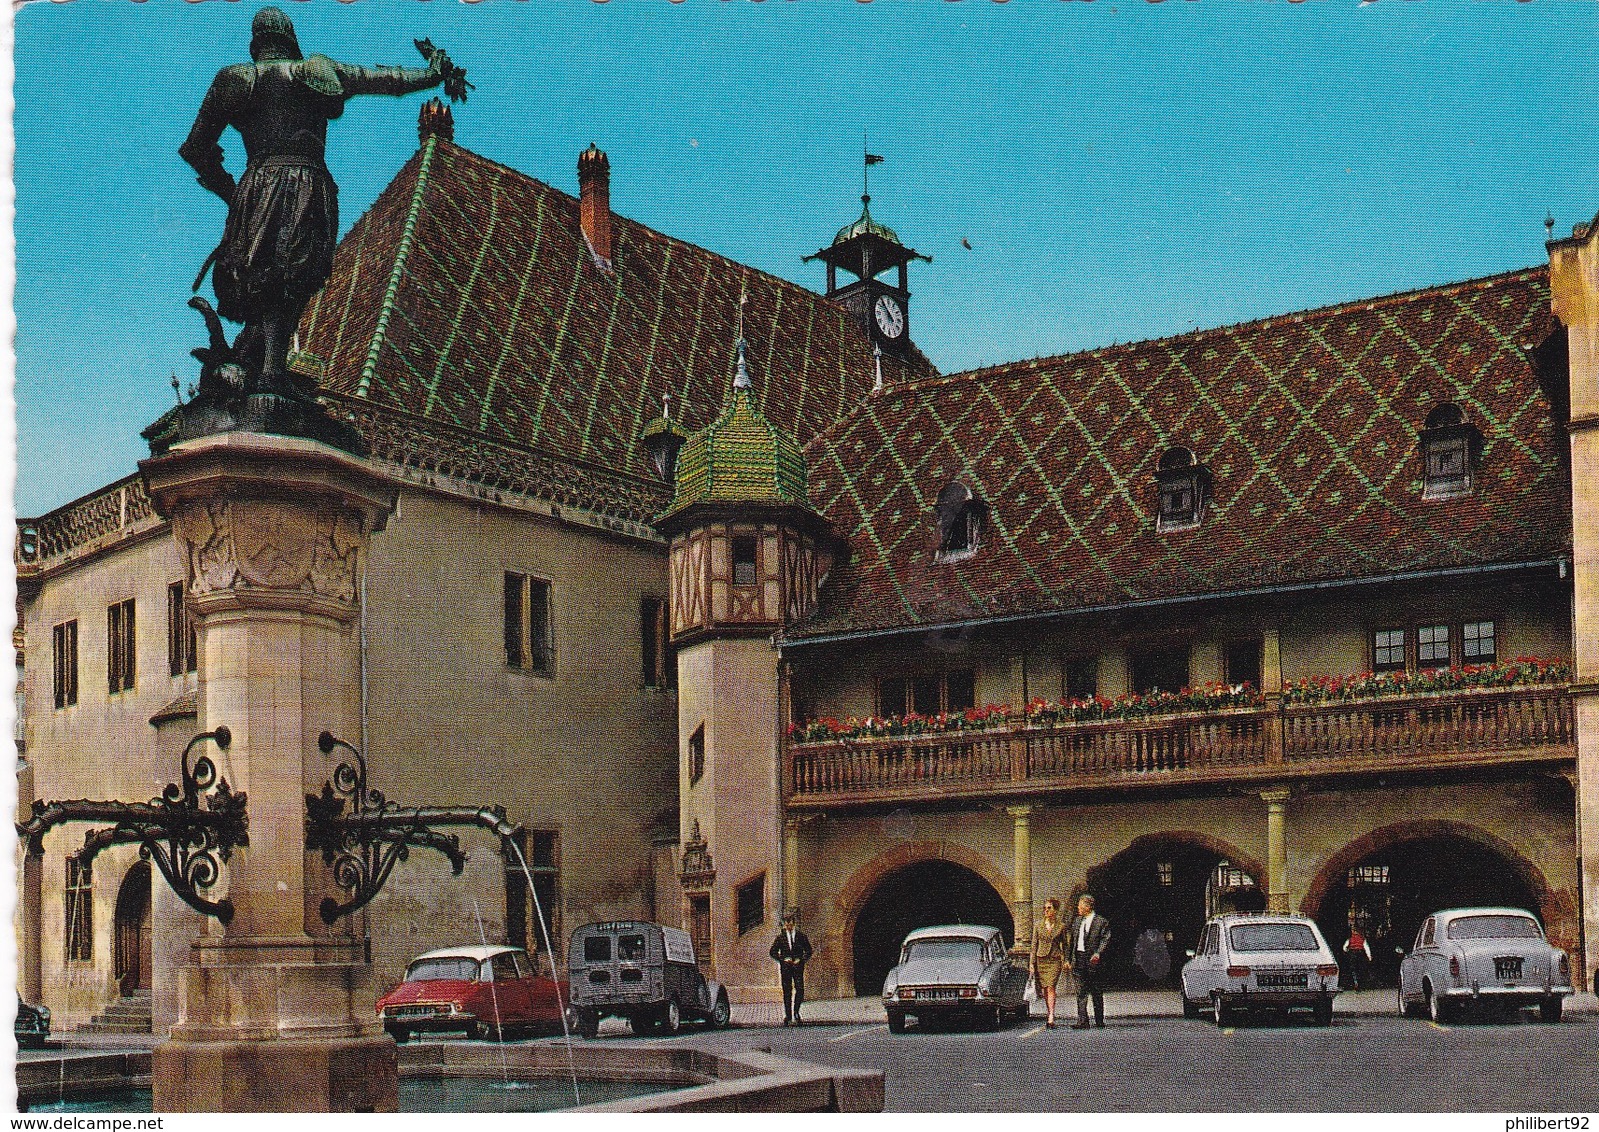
(1121, 170)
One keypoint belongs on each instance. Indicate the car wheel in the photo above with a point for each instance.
(671, 1018)
(988, 1019)
(721, 1013)
(1549, 1010)
(641, 1025)
(1437, 1009)
(588, 1025)
(1223, 1013)
(896, 1021)
(398, 1033)
(1190, 1008)
(477, 1032)
(1322, 1012)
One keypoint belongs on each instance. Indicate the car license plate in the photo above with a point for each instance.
(937, 994)
(1280, 979)
(413, 1011)
(1507, 967)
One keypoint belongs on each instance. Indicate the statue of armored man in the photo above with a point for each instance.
(283, 213)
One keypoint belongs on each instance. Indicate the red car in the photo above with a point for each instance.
(485, 992)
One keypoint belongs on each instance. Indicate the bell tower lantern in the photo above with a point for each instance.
(869, 251)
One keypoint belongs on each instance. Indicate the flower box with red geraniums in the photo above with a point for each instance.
(1522, 672)
(1039, 713)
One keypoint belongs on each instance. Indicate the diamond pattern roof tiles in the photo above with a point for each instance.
(1308, 423)
(467, 297)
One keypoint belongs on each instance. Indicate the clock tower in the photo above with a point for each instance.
(869, 250)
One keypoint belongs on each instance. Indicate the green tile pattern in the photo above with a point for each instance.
(1309, 424)
(740, 457)
(466, 296)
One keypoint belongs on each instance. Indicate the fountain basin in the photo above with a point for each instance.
(474, 1077)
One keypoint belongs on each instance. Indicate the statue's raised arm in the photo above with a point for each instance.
(283, 214)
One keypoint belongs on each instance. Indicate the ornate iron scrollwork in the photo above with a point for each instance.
(190, 831)
(363, 846)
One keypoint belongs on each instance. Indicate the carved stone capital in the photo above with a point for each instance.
(258, 546)
(266, 521)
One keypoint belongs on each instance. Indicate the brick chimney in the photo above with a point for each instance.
(594, 187)
(435, 117)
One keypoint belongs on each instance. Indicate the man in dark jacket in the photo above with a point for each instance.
(1090, 936)
(792, 950)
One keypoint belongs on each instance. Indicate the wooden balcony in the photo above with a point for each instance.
(1237, 746)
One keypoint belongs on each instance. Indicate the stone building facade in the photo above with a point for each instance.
(1233, 619)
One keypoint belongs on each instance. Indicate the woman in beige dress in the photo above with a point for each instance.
(1049, 955)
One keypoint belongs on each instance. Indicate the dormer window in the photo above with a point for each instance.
(1450, 447)
(961, 519)
(1183, 484)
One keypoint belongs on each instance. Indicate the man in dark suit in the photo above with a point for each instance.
(792, 950)
(1090, 936)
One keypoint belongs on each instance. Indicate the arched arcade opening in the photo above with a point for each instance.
(1157, 894)
(920, 895)
(1387, 884)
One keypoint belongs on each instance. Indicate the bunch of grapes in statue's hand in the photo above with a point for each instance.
(455, 83)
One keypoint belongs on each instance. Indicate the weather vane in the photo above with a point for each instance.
(870, 160)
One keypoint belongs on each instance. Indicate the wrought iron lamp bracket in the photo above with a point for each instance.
(362, 835)
(189, 832)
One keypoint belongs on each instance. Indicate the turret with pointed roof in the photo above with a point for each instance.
(741, 456)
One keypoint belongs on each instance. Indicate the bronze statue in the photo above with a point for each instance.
(283, 213)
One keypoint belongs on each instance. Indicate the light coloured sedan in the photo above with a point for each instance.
(1483, 957)
(955, 971)
(1247, 962)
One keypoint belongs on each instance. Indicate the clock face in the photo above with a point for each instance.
(890, 318)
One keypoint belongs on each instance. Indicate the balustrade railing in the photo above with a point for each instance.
(113, 508)
(1236, 743)
(1453, 724)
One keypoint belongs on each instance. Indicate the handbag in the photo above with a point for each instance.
(1030, 993)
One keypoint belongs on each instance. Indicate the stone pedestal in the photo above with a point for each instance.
(275, 1012)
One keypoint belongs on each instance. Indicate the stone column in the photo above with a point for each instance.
(1271, 685)
(791, 862)
(1271, 664)
(1276, 849)
(276, 1011)
(1022, 905)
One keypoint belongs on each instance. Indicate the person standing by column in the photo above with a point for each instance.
(1090, 935)
(792, 950)
(1049, 955)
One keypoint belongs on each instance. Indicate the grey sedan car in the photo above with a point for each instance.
(1247, 962)
(957, 971)
(1483, 958)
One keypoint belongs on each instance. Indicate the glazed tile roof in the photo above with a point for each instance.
(1308, 423)
(740, 456)
(467, 296)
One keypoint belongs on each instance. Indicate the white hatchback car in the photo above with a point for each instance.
(1483, 957)
(1258, 961)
